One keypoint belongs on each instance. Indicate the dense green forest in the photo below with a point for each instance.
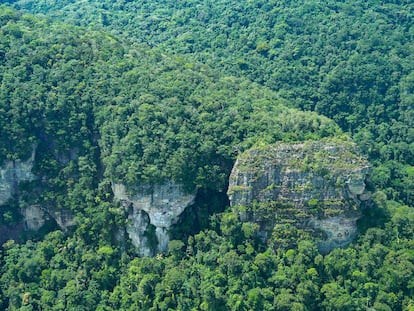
(144, 92)
(351, 61)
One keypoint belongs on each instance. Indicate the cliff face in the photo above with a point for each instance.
(318, 186)
(152, 210)
(33, 217)
(11, 174)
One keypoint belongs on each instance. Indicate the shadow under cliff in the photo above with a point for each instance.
(372, 217)
(196, 217)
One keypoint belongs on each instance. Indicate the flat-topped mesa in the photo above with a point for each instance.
(316, 185)
(156, 205)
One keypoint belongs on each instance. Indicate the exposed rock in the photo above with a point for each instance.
(11, 174)
(34, 217)
(318, 185)
(163, 238)
(138, 226)
(63, 218)
(153, 208)
(340, 230)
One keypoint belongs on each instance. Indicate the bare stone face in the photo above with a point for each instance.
(356, 185)
(340, 230)
(323, 181)
(34, 217)
(157, 205)
(11, 174)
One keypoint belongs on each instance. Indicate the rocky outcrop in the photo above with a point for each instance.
(34, 217)
(317, 185)
(11, 174)
(152, 210)
(64, 218)
(339, 230)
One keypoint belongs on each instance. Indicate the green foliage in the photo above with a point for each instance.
(158, 117)
(350, 62)
(99, 108)
(214, 271)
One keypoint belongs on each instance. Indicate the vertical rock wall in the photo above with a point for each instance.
(152, 211)
(317, 185)
(11, 174)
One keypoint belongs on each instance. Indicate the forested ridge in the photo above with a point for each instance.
(148, 92)
(351, 61)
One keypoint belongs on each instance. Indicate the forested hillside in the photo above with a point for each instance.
(148, 92)
(349, 60)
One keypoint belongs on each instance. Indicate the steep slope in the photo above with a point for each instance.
(349, 60)
(101, 112)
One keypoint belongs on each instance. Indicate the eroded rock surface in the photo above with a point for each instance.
(11, 174)
(63, 218)
(152, 211)
(317, 185)
(34, 217)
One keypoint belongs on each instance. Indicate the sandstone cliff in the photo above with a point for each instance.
(32, 217)
(316, 185)
(11, 174)
(152, 210)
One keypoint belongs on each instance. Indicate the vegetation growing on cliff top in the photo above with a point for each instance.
(88, 98)
(157, 117)
(349, 60)
(338, 153)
